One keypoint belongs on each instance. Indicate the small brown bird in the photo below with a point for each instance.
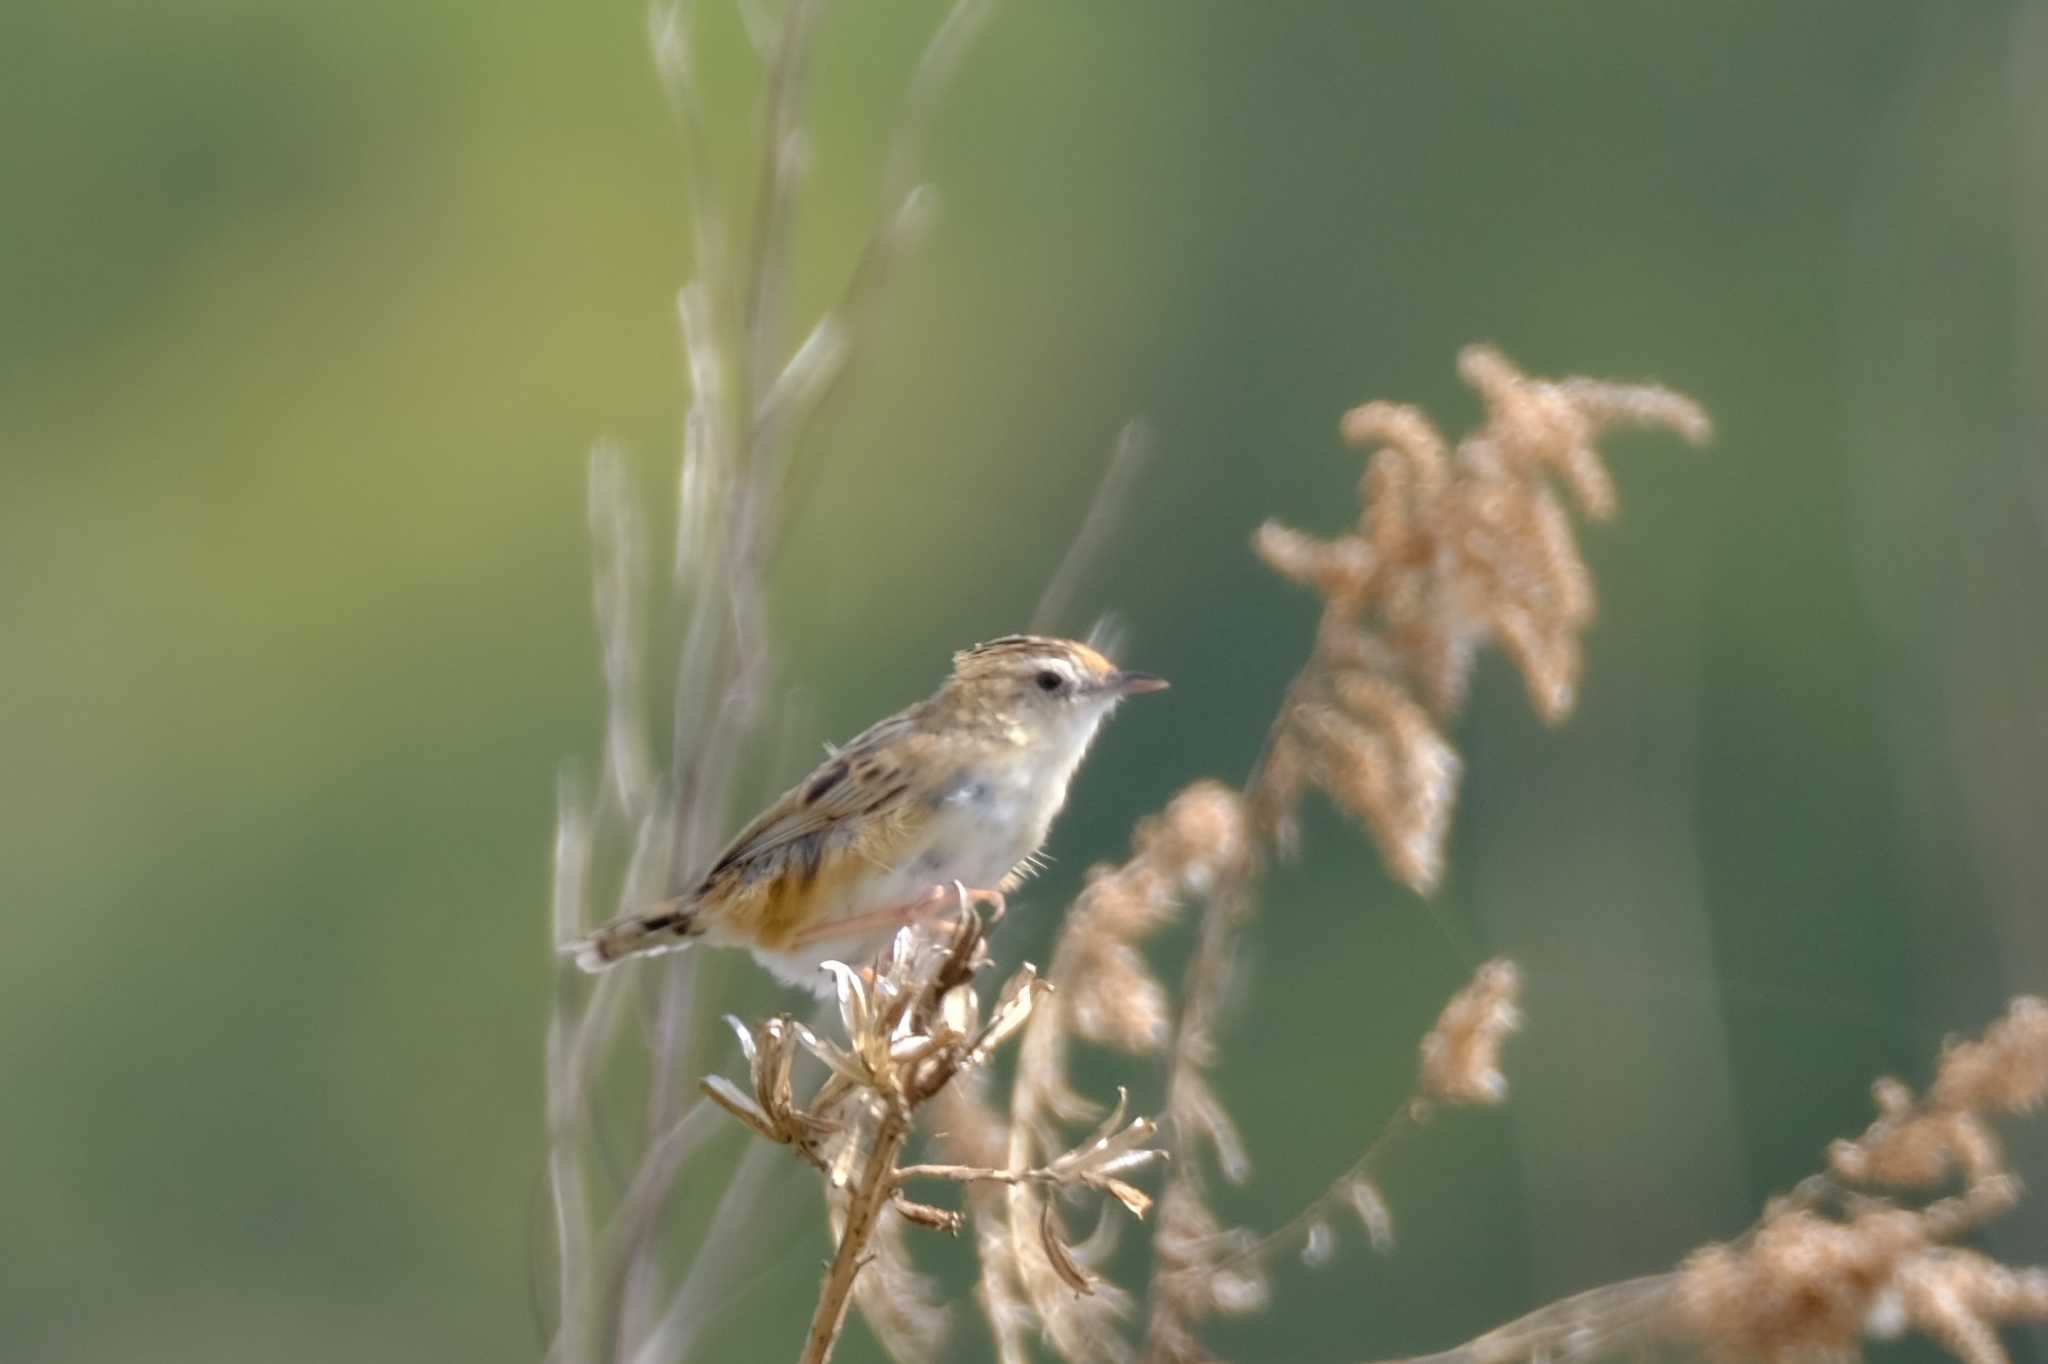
(947, 801)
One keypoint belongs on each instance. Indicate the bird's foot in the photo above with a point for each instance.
(964, 896)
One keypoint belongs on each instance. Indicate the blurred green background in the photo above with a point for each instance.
(308, 315)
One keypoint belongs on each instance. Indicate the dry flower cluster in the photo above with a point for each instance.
(1835, 1264)
(1917, 1142)
(1453, 549)
(1107, 995)
(1450, 554)
(1461, 1054)
(1472, 549)
(1805, 1283)
(911, 1024)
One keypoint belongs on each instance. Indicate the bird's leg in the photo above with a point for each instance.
(998, 904)
(898, 916)
(855, 925)
(874, 920)
(964, 897)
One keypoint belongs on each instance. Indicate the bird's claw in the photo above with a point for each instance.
(966, 897)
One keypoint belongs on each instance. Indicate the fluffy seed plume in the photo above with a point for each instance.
(1454, 549)
(1804, 1283)
(1034, 1280)
(1461, 1054)
(1828, 1268)
(1108, 993)
(1916, 1142)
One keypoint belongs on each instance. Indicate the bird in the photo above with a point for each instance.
(942, 805)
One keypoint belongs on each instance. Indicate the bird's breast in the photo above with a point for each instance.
(988, 820)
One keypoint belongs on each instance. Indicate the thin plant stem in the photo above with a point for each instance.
(863, 1214)
(1105, 509)
(712, 1268)
(969, 1174)
(1405, 1121)
(776, 183)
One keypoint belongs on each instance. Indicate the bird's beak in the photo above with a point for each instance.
(1133, 684)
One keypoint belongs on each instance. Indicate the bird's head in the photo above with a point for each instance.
(1058, 687)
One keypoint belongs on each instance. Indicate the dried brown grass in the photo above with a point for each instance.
(642, 827)
(1457, 546)
(1849, 1256)
(1454, 548)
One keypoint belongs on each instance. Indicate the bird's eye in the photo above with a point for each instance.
(1050, 681)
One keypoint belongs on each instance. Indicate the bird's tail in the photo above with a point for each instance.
(668, 927)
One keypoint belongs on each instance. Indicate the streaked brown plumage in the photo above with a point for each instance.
(960, 788)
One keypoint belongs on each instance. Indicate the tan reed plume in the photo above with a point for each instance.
(1847, 1257)
(1454, 547)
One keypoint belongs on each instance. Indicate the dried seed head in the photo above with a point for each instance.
(1277, 797)
(1412, 815)
(1119, 1002)
(1461, 1054)
(1918, 1150)
(2005, 1070)
(1411, 440)
(1452, 550)
(1824, 1269)
(1107, 992)
(1207, 1270)
(1112, 1150)
(1956, 1297)
(1340, 569)
(1645, 407)
(1378, 1219)
(1803, 1287)
(1202, 834)
(1917, 1142)
(1020, 995)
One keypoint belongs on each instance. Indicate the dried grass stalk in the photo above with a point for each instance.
(752, 397)
(1213, 1270)
(902, 1306)
(911, 1025)
(1034, 1281)
(1454, 548)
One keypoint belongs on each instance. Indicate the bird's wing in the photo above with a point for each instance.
(869, 781)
